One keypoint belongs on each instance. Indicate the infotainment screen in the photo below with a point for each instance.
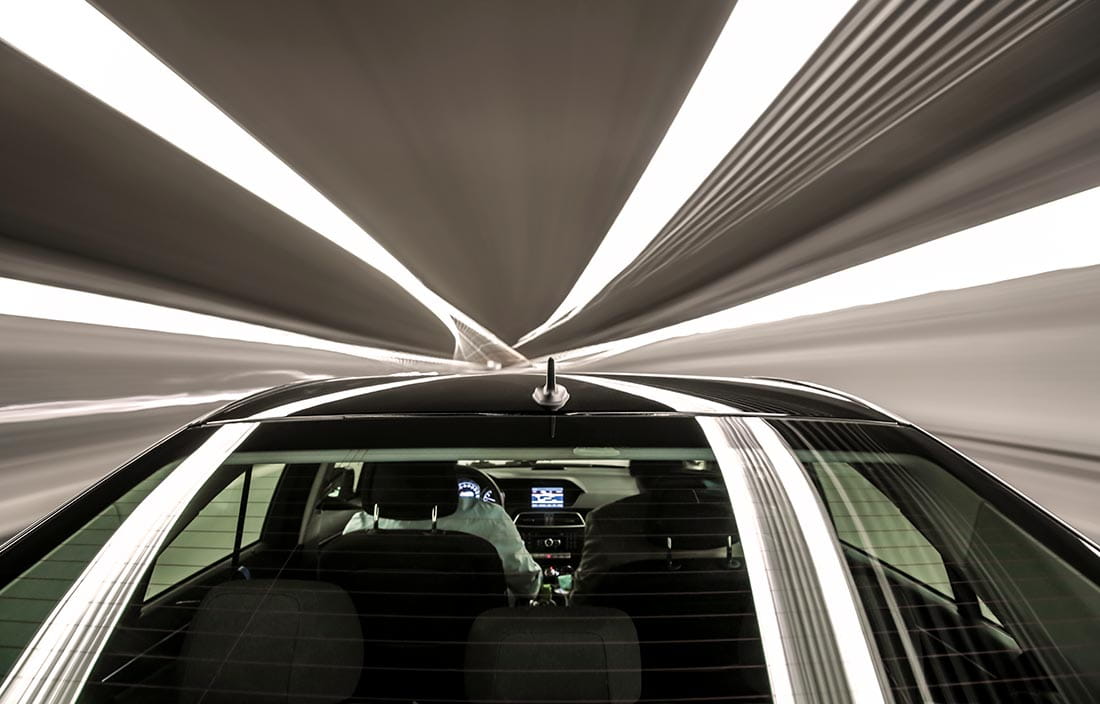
(547, 497)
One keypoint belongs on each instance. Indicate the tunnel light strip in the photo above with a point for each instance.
(761, 48)
(53, 410)
(55, 666)
(1061, 234)
(74, 40)
(31, 300)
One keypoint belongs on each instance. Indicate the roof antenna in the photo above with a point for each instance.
(552, 396)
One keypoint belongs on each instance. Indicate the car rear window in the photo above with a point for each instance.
(438, 574)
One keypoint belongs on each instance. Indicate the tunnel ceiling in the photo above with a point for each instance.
(896, 132)
(490, 144)
(93, 201)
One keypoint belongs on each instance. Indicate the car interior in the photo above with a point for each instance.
(336, 581)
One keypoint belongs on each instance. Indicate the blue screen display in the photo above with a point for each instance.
(547, 497)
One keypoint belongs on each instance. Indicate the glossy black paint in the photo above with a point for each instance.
(510, 393)
(760, 396)
(289, 393)
(434, 431)
(487, 393)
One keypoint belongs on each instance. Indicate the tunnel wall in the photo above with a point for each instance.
(1008, 373)
(78, 400)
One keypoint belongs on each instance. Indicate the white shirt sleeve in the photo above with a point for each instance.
(490, 521)
(357, 522)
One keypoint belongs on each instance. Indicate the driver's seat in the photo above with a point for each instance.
(417, 591)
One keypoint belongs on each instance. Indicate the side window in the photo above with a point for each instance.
(29, 598)
(866, 519)
(209, 537)
(1019, 619)
(343, 480)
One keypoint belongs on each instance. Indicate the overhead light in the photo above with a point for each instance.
(31, 300)
(80, 44)
(762, 47)
(1057, 235)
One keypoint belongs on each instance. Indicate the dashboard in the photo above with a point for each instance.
(548, 505)
(517, 495)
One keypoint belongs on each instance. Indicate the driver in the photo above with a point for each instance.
(475, 517)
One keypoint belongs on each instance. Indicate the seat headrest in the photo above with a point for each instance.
(654, 474)
(566, 654)
(271, 641)
(409, 490)
(695, 519)
(655, 468)
(694, 480)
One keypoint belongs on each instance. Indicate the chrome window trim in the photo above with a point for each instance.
(760, 479)
(57, 662)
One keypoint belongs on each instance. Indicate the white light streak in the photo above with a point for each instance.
(31, 300)
(54, 410)
(1061, 234)
(74, 40)
(758, 52)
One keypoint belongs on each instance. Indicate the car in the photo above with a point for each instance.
(515, 537)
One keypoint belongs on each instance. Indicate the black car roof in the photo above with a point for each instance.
(510, 393)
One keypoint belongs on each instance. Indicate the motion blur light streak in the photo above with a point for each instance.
(1005, 372)
(77, 42)
(913, 120)
(759, 51)
(52, 410)
(49, 369)
(31, 300)
(758, 187)
(1058, 235)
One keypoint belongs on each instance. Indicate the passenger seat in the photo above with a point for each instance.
(285, 641)
(553, 654)
(692, 606)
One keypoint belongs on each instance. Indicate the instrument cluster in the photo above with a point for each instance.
(470, 489)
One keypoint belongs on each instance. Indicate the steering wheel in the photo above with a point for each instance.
(487, 484)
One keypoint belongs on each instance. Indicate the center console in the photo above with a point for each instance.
(555, 539)
(551, 529)
(552, 537)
